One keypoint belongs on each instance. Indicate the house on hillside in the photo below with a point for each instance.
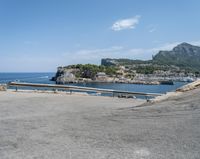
(101, 77)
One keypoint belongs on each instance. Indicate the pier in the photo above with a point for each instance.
(71, 89)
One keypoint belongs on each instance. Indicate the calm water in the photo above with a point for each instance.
(45, 78)
(26, 77)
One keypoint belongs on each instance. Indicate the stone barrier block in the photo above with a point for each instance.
(3, 87)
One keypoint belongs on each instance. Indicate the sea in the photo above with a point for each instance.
(45, 78)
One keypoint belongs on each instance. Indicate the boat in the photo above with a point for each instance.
(166, 82)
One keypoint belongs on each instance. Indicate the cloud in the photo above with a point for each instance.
(29, 64)
(156, 41)
(197, 43)
(32, 63)
(95, 55)
(170, 46)
(92, 55)
(28, 42)
(128, 23)
(152, 28)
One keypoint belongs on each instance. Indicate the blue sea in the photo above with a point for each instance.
(45, 78)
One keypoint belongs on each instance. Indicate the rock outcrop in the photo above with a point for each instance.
(64, 75)
(3, 87)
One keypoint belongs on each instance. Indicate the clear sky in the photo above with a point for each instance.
(39, 35)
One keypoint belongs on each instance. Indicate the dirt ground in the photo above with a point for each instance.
(57, 126)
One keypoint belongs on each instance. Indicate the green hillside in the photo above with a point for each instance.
(184, 56)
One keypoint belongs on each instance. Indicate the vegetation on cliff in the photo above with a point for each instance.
(90, 70)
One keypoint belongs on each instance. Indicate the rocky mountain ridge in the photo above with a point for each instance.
(184, 55)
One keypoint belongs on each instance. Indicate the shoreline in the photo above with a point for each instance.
(163, 97)
(179, 91)
(88, 81)
(85, 93)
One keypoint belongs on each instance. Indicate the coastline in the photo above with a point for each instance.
(142, 82)
(163, 97)
(178, 92)
(3, 87)
(122, 82)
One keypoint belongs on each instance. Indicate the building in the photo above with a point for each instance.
(101, 76)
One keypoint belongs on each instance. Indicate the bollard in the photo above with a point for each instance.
(113, 94)
(70, 92)
(148, 100)
(55, 90)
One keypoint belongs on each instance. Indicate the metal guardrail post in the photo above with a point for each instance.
(113, 94)
(55, 90)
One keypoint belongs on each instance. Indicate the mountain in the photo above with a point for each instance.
(184, 56)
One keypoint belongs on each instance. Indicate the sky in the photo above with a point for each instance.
(40, 35)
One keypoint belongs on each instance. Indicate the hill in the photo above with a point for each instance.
(184, 56)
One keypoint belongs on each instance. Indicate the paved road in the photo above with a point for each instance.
(47, 126)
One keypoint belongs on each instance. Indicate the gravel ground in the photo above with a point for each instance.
(55, 126)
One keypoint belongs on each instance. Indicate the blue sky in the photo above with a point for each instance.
(39, 35)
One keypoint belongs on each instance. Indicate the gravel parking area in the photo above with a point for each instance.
(57, 126)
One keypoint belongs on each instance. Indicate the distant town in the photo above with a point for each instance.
(166, 67)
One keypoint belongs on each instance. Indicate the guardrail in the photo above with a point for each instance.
(69, 88)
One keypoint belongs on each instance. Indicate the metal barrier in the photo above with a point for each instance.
(69, 88)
